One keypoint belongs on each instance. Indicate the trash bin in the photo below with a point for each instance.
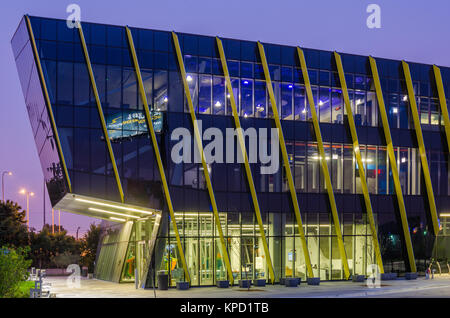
(163, 280)
(84, 271)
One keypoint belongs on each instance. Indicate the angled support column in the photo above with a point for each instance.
(422, 150)
(323, 162)
(152, 134)
(393, 163)
(48, 104)
(100, 111)
(356, 149)
(244, 155)
(200, 151)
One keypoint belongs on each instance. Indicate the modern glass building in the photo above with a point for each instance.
(363, 142)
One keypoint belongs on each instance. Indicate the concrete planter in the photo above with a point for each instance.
(245, 283)
(358, 278)
(386, 276)
(291, 282)
(313, 281)
(410, 276)
(259, 282)
(223, 283)
(182, 285)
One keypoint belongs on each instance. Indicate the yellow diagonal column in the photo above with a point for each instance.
(200, 151)
(48, 104)
(322, 160)
(362, 174)
(152, 134)
(393, 163)
(100, 110)
(422, 150)
(442, 102)
(246, 163)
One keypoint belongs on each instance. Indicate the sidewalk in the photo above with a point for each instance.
(92, 288)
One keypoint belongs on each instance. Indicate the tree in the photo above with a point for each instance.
(13, 229)
(13, 270)
(65, 259)
(45, 246)
(89, 244)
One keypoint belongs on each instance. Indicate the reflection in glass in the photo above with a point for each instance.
(300, 103)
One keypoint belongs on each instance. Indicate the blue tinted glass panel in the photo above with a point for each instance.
(146, 39)
(98, 34)
(248, 50)
(65, 51)
(114, 36)
(233, 68)
(204, 65)
(47, 50)
(161, 60)
(161, 40)
(190, 44)
(206, 46)
(48, 29)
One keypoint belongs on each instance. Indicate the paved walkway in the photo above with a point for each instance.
(92, 288)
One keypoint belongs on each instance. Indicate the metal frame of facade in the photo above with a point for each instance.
(322, 159)
(157, 153)
(286, 164)
(421, 144)
(48, 104)
(100, 110)
(393, 163)
(245, 157)
(199, 143)
(356, 150)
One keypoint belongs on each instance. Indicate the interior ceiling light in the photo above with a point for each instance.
(114, 206)
(117, 219)
(115, 213)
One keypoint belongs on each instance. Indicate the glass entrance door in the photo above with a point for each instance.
(206, 261)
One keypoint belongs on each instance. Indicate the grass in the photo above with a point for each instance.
(24, 289)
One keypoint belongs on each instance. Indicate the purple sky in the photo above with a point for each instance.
(414, 30)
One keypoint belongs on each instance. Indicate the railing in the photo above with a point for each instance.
(41, 288)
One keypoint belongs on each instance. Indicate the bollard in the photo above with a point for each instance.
(223, 283)
(136, 278)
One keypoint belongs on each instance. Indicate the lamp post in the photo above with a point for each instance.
(9, 173)
(28, 194)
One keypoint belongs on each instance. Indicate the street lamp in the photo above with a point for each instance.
(9, 173)
(28, 194)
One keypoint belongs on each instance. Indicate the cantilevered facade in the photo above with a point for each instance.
(363, 153)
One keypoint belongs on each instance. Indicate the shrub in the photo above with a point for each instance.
(13, 270)
(65, 259)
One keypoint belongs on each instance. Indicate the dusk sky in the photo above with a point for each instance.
(414, 30)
